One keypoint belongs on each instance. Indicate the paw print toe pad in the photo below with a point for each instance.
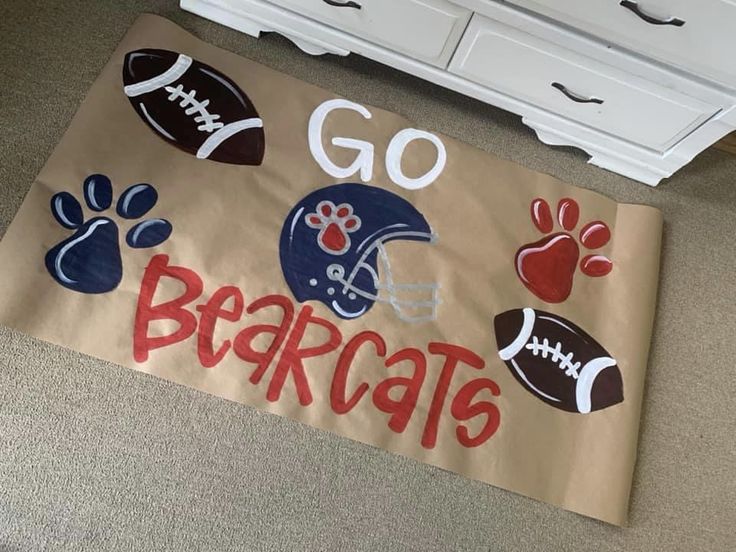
(568, 213)
(66, 210)
(136, 201)
(541, 215)
(149, 233)
(97, 192)
(595, 234)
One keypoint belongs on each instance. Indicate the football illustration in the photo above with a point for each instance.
(193, 106)
(557, 362)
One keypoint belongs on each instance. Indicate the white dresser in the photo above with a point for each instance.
(642, 86)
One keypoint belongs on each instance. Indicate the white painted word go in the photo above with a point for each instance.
(364, 160)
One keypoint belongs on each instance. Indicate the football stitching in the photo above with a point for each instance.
(193, 105)
(558, 357)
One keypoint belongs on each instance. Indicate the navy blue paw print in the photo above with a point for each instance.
(89, 260)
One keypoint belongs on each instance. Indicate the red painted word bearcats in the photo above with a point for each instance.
(287, 337)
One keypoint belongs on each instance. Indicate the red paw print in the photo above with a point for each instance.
(547, 267)
(334, 223)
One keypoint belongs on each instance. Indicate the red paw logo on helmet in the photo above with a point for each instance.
(547, 267)
(335, 224)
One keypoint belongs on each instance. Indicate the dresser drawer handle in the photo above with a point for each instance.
(575, 97)
(349, 4)
(634, 7)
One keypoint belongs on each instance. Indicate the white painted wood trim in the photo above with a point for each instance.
(606, 151)
(610, 54)
(254, 17)
(426, 30)
(701, 46)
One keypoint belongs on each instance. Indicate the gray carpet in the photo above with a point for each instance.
(98, 457)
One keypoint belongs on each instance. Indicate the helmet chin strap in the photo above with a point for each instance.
(401, 297)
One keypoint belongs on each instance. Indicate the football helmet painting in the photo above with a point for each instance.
(332, 250)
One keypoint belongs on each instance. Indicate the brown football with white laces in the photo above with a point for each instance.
(557, 362)
(193, 106)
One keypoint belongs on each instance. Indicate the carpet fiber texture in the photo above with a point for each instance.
(98, 457)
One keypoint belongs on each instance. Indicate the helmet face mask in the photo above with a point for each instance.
(412, 302)
(333, 250)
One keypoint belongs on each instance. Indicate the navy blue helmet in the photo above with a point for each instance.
(331, 245)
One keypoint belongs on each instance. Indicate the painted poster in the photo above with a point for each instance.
(213, 222)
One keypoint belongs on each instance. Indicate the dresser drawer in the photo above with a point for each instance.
(427, 30)
(697, 35)
(513, 62)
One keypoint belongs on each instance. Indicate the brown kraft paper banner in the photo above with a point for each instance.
(218, 224)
